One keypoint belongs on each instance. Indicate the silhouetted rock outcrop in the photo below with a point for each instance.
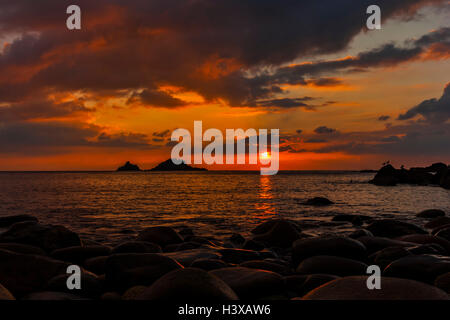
(129, 167)
(168, 165)
(436, 174)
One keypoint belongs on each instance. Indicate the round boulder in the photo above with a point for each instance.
(162, 236)
(431, 213)
(391, 228)
(189, 284)
(332, 265)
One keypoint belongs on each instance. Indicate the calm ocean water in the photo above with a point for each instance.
(110, 206)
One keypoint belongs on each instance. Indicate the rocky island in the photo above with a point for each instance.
(128, 166)
(436, 174)
(168, 165)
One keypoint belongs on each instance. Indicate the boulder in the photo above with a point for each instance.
(332, 265)
(431, 213)
(387, 255)
(386, 176)
(422, 268)
(429, 248)
(374, 244)
(281, 234)
(208, 264)
(236, 238)
(125, 270)
(162, 236)
(136, 247)
(91, 286)
(251, 283)
(299, 285)
(318, 201)
(391, 228)
(266, 265)
(133, 293)
(22, 273)
(443, 282)
(445, 179)
(337, 246)
(427, 239)
(360, 233)
(47, 237)
(22, 248)
(7, 221)
(187, 257)
(238, 255)
(444, 233)
(189, 284)
(254, 245)
(437, 222)
(96, 265)
(355, 288)
(79, 254)
(5, 294)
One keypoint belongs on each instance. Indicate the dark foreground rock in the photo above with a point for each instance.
(126, 270)
(251, 283)
(278, 233)
(47, 237)
(79, 254)
(443, 282)
(299, 285)
(336, 246)
(5, 294)
(10, 220)
(91, 285)
(337, 266)
(431, 213)
(318, 201)
(355, 288)
(136, 247)
(189, 284)
(22, 274)
(162, 236)
(391, 228)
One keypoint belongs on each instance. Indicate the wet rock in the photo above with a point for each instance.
(427, 239)
(445, 179)
(7, 221)
(185, 232)
(266, 265)
(430, 248)
(125, 270)
(360, 233)
(5, 294)
(437, 229)
(187, 257)
(424, 268)
(251, 244)
(280, 233)
(385, 256)
(318, 201)
(182, 246)
(355, 288)
(208, 264)
(52, 296)
(162, 236)
(190, 283)
(22, 273)
(391, 228)
(337, 246)
(299, 285)
(386, 176)
(91, 287)
(22, 248)
(374, 244)
(431, 213)
(332, 265)
(78, 254)
(443, 282)
(47, 237)
(251, 283)
(356, 220)
(238, 255)
(96, 265)
(133, 293)
(136, 247)
(236, 238)
(437, 222)
(444, 233)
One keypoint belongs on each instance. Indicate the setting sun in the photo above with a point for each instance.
(264, 155)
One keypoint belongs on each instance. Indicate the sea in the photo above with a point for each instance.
(109, 207)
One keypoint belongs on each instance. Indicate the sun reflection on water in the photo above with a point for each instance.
(265, 196)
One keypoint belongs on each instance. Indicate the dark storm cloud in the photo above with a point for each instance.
(384, 118)
(162, 134)
(432, 110)
(140, 44)
(287, 103)
(158, 98)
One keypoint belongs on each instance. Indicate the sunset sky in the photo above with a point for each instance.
(343, 97)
